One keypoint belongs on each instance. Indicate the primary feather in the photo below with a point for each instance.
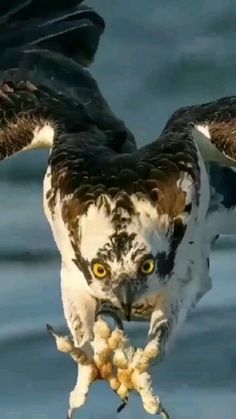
(66, 27)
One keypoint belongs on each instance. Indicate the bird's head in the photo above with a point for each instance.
(125, 253)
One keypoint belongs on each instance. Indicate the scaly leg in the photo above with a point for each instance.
(112, 349)
(162, 323)
(132, 372)
(86, 375)
(79, 307)
(79, 394)
(172, 306)
(90, 370)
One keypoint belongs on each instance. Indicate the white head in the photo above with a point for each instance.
(126, 249)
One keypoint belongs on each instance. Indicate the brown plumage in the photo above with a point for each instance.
(219, 116)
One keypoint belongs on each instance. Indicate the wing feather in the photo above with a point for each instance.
(60, 26)
(66, 97)
(213, 128)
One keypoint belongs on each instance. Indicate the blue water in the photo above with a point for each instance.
(154, 57)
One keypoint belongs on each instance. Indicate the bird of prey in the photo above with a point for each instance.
(134, 227)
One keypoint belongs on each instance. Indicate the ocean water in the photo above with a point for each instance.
(154, 57)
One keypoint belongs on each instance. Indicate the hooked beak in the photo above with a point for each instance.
(126, 297)
(105, 307)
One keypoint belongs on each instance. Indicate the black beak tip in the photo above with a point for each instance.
(127, 312)
(128, 317)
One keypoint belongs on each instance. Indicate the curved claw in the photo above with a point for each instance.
(163, 413)
(122, 405)
(50, 329)
(69, 414)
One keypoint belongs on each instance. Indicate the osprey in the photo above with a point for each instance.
(134, 227)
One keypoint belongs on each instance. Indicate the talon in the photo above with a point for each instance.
(50, 330)
(122, 405)
(164, 414)
(69, 414)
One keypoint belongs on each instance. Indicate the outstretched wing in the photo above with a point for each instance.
(213, 126)
(57, 25)
(214, 131)
(33, 117)
(49, 53)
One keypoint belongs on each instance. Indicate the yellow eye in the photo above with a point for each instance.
(99, 270)
(148, 266)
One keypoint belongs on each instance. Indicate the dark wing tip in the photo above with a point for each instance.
(60, 26)
(22, 10)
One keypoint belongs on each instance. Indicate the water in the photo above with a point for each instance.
(154, 57)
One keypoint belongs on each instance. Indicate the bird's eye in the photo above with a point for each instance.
(148, 266)
(99, 270)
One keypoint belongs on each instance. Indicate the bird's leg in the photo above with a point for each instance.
(172, 306)
(105, 348)
(163, 320)
(87, 374)
(123, 352)
(142, 383)
(79, 309)
(106, 342)
(158, 338)
(116, 361)
(88, 371)
(101, 368)
(65, 344)
(132, 365)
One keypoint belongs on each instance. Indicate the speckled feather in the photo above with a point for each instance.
(88, 168)
(219, 116)
(66, 27)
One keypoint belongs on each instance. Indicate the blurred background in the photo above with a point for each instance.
(154, 57)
